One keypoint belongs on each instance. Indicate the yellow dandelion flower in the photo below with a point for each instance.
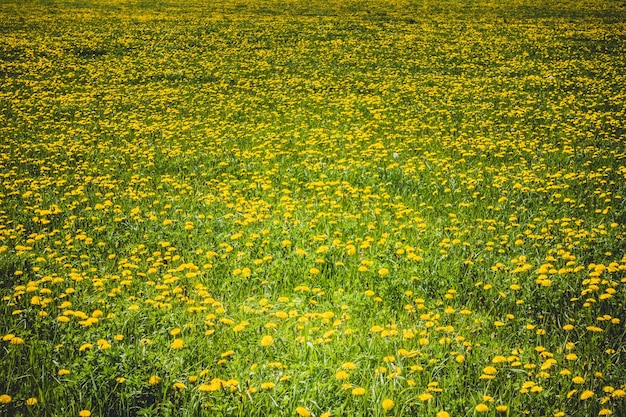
(303, 412)
(31, 401)
(619, 393)
(154, 380)
(5, 399)
(177, 344)
(17, 341)
(267, 340)
(341, 375)
(443, 414)
(85, 346)
(103, 344)
(482, 408)
(425, 397)
(387, 404)
(84, 413)
(490, 370)
(227, 354)
(358, 391)
(585, 395)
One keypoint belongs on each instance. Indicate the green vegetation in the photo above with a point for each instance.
(312, 208)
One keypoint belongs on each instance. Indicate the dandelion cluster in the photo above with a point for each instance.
(312, 208)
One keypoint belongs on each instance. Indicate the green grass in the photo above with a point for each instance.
(420, 199)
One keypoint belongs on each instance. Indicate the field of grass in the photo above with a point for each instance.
(312, 208)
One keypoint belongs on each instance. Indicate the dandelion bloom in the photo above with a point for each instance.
(84, 413)
(177, 344)
(605, 412)
(85, 346)
(619, 393)
(425, 397)
(31, 401)
(490, 370)
(5, 399)
(358, 391)
(227, 354)
(443, 414)
(388, 404)
(154, 380)
(103, 344)
(481, 408)
(502, 408)
(267, 341)
(341, 375)
(586, 394)
(17, 341)
(303, 412)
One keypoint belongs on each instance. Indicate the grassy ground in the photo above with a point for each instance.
(312, 208)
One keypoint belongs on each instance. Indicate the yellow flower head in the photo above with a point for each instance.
(348, 366)
(425, 397)
(387, 404)
(177, 344)
(341, 375)
(267, 340)
(586, 394)
(482, 408)
(303, 412)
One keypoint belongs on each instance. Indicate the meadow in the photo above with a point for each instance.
(312, 208)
